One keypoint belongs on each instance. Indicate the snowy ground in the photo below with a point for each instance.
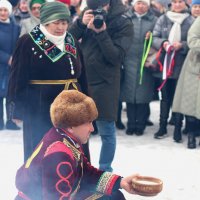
(176, 165)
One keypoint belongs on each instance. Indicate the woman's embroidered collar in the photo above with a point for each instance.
(50, 49)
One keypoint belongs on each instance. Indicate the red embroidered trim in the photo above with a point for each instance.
(64, 180)
(58, 147)
(110, 184)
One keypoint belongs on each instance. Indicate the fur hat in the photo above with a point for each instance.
(145, 1)
(72, 108)
(52, 11)
(6, 4)
(94, 4)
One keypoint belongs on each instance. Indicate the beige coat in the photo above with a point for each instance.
(187, 95)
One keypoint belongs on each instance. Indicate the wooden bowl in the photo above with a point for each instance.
(147, 186)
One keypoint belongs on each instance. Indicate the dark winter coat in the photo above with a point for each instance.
(103, 56)
(9, 33)
(160, 34)
(36, 58)
(131, 90)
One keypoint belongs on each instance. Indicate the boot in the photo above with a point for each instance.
(191, 141)
(1, 114)
(1, 124)
(162, 131)
(119, 123)
(164, 113)
(177, 129)
(11, 125)
(172, 119)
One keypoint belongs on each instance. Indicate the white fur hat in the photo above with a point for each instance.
(6, 4)
(145, 1)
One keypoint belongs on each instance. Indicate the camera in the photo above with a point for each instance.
(99, 17)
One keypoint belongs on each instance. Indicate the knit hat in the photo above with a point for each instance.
(6, 4)
(36, 1)
(145, 1)
(94, 4)
(52, 11)
(72, 108)
(164, 3)
(195, 2)
(65, 1)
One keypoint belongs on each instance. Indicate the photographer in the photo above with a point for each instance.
(106, 34)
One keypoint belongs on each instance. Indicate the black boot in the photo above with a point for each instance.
(191, 141)
(177, 129)
(1, 114)
(162, 131)
(164, 113)
(1, 124)
(172, 119)
(120, 125)
(11, 125)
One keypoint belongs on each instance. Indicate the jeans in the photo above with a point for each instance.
(107, 132)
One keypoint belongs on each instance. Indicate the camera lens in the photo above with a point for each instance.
(98, 21)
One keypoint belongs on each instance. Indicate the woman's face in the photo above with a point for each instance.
(57, 28)
(23, 6)
(178, 6)
(4, 14)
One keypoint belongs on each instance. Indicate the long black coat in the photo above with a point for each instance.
(103, 56)
(32, 61)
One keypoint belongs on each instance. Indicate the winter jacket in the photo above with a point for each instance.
(160, 34)
(9, 33)
(131, 90)
(103, 56)
(187, 95)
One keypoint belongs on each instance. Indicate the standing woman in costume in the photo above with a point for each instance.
(170, 33)
(9, 33)
(46, 61)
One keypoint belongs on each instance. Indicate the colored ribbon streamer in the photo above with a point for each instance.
(146, 49)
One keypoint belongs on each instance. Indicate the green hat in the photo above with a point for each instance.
(52, 11)
(36, 1)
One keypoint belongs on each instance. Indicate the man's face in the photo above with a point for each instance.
(195, 10)
(82, 132)
(141, 7)
(57, 28)
(35, 10)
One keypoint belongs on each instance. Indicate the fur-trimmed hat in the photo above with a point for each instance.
(72, 108)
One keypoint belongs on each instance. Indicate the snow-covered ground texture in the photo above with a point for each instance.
(176, 165)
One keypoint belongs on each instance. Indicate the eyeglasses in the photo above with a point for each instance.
(35, 8)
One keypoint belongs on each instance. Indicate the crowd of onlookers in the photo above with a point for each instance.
(163, 23)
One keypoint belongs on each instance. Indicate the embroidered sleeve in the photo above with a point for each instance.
(99, 181)
(106, 183)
